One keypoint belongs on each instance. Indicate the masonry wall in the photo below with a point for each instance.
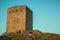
(16, 18)
(29, 19)
(19, 18)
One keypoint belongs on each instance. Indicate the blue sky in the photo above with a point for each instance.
(46, 14)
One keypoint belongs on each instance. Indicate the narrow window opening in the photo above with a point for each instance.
(12, 10)
(18, 32)
(16, 10)
(9, 11)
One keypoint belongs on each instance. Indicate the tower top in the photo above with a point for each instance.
(20, 6)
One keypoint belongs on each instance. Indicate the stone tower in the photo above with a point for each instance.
(19, 18)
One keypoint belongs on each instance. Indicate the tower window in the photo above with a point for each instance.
(30, 32)
(19, 31)
(16, 10)
(9, 11)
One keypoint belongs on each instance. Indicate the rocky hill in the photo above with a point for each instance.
(30, 35)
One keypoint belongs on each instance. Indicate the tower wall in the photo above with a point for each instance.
(18, 18)
(29, 19)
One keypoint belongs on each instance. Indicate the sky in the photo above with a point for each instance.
(46, 14)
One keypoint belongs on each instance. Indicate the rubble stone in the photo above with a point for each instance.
(30, 35)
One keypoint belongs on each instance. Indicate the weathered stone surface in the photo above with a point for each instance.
(19, 19)
(31, 35)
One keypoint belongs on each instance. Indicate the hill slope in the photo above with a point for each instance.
(30, 35)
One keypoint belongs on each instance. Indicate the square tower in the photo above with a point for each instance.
(19, 18)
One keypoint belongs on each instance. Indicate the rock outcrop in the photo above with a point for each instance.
(30, 35)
